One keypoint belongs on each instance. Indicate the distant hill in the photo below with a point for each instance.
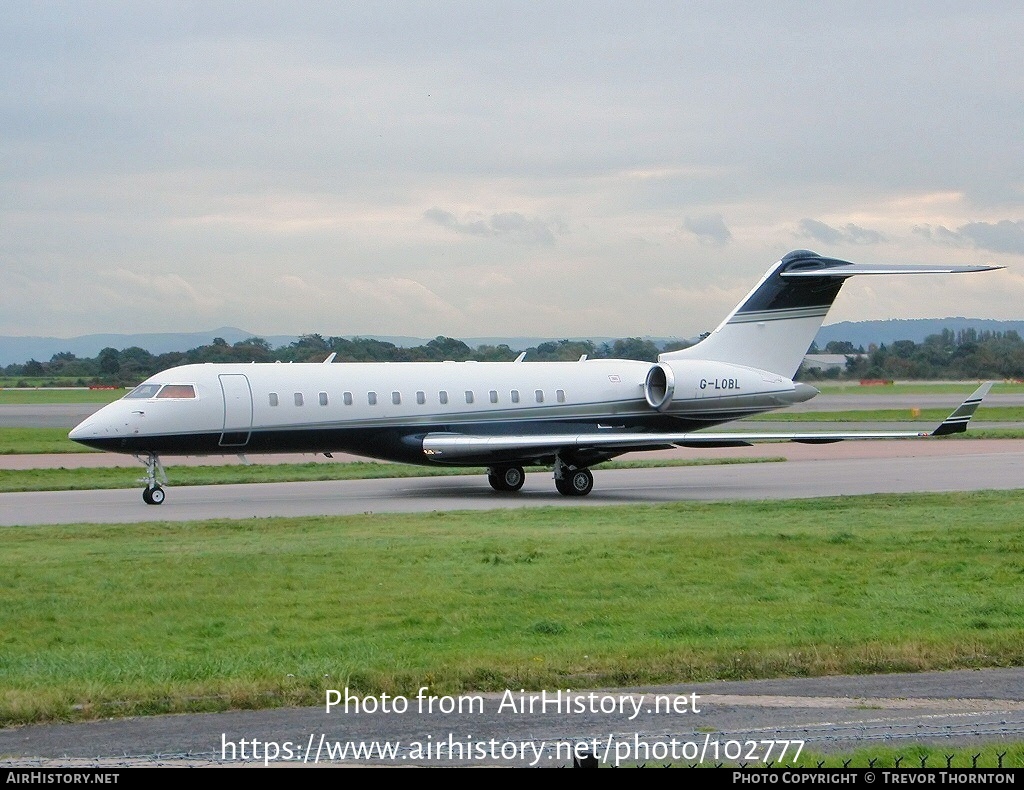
(16, 350)
(864, 333)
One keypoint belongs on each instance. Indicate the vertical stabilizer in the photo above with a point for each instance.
(774, 325)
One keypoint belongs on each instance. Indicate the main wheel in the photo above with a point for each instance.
(578, 483)
(153, 496)
(506, 479)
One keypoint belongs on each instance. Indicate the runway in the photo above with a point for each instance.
(864, 468)
(827, 714)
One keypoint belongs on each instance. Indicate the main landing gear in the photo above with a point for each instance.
(578, 483)
(153, 494)
(572, 481)
(569, 480)
(506, 479)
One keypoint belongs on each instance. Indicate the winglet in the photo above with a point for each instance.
(957, 421)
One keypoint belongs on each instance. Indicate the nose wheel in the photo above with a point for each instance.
(153, 494)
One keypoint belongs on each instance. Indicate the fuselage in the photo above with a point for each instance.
(383, 410)
(504, 415)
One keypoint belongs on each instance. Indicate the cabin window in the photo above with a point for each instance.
(469, 396)
(421, 397)
(515, 396)
(396, 398)
(323, 398)
(346, 397)
(144, 391)
(494, 396)
(274, 400)
(371, 398)
(560, 396)
(539, 395)
(298, 398)
(442, 396)
(177, 391)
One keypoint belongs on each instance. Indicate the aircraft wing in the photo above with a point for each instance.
(453, 445)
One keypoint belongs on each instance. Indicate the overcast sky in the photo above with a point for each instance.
(474, 169)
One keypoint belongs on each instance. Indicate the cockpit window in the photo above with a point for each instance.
(177, 391)
(143, 391)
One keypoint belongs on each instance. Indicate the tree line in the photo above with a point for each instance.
(964, 355)
(129, 366)
(967, 354)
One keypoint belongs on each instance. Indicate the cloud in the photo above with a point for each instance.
(388, 295)
(1003, 236)
(826, 234)
(160, 289)
(509, 225)
(710, 229)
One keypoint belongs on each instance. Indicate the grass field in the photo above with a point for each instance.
(123, 620)
(914, 388)
(44, 396)
(1005, 754)
(931, 416)
(121, 477)
(28, 441)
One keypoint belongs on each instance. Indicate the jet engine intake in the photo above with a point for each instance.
(659, 386)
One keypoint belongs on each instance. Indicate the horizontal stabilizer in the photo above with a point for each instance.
(842, 269)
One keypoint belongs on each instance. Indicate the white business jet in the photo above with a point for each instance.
(506, 415)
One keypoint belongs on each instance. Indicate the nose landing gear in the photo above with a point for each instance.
(153, 494)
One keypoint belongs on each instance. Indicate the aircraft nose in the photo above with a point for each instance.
(108, 423)
(87, 429)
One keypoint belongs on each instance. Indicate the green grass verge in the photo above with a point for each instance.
(935, 416)
(914, 388)
(914, 755)
(987, 433)
(32, 441)
(42, 397)
(146, 618)
(128, 477)
(910, 755)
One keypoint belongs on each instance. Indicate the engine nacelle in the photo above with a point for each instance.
(660, 386)
(706, 385)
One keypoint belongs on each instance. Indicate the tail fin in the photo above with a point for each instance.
(774, 325)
